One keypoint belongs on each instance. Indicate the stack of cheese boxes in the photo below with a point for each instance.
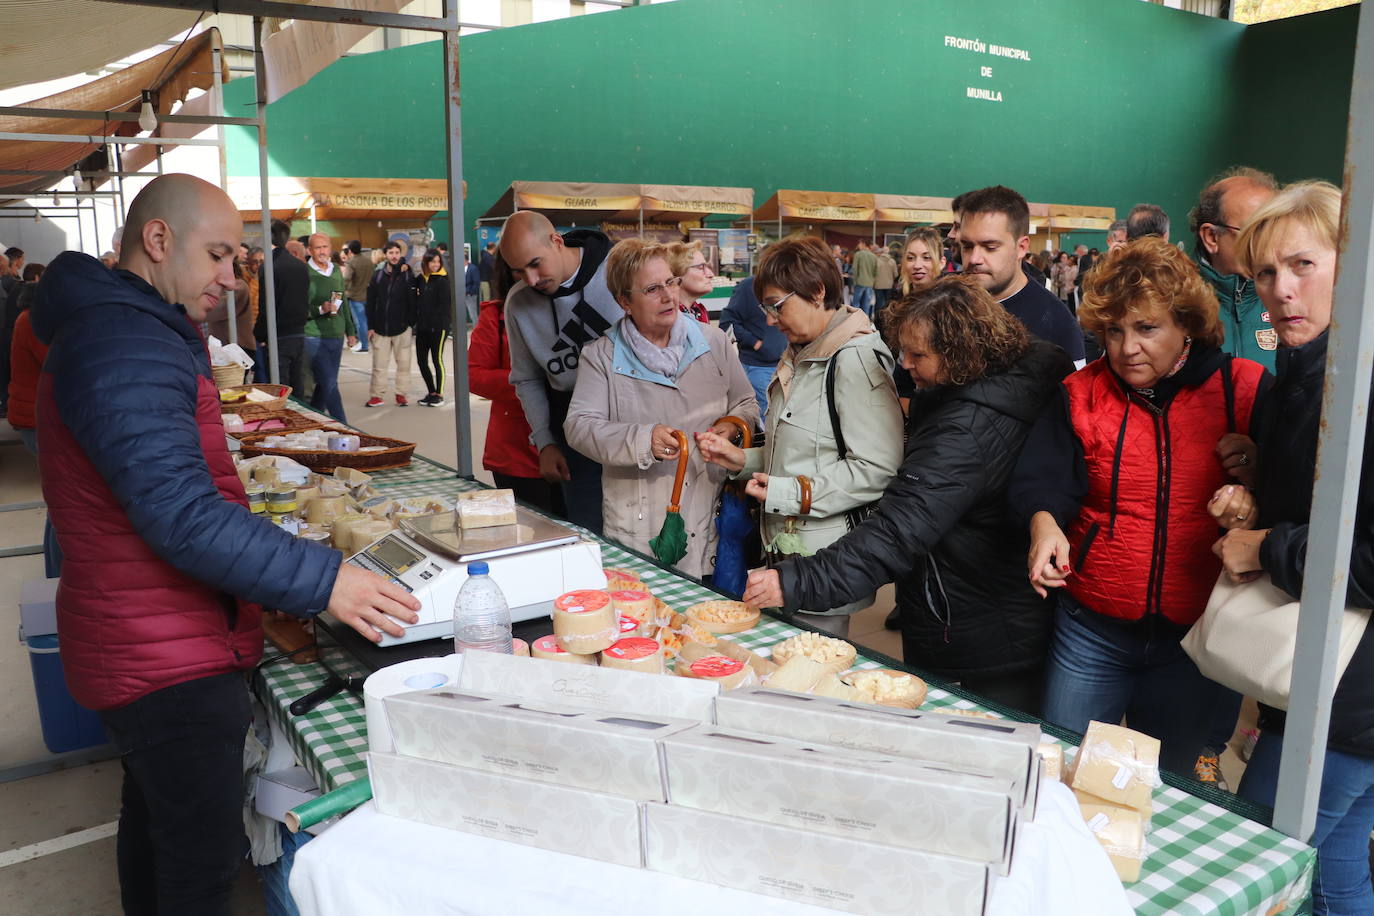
(857, 808)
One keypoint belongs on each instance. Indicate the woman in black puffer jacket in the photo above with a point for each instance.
(941, 529)
(433, 325)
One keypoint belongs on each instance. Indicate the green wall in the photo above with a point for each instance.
(1120, 102)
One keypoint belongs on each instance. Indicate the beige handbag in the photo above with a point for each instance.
(1245, 639)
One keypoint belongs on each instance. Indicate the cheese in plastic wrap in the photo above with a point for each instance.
(486, 508)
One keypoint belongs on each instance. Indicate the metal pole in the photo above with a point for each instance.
(641, 222)
(314, 227)
(266, 283)
(217, 107)
(119, 185)
(453, 136)
(1340, 453)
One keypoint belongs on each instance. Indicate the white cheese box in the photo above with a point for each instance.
(615, 753)
(807, 867)
(574, 821)
(588, 686)
(890, 800)
(992, 746)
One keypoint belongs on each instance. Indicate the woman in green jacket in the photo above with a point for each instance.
(833, 419)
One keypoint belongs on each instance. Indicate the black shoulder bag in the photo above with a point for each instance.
(854, 517)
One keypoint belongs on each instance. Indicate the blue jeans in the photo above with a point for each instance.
(863, 299)
(759, 377)
(181, 837)
(52, 553)
(359, 309)
(324, 354)
(1101, 669)
(1345, 817)
(582, 494)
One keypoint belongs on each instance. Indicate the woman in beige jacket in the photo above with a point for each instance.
(655, 372)
(832, 348)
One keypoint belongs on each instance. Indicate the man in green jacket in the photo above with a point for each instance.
(329, 321)
(1224, 206)
(865, 275)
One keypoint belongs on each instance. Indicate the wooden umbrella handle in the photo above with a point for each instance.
(805, 484)
(681, 475)
(746, 434)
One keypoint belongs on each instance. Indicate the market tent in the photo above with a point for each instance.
(1065, 217)
(43, 40)
(171, 75)
(576, 202)
(908, 210)
(343, 198)
(816, 207)
(581, 203)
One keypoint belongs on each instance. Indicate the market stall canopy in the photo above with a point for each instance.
(342, 198)
(908, 209)
(1067, 216)
(171, 75)
(42, 40)
(817, 206)
(580, 203)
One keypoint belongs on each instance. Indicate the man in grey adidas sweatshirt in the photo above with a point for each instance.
(560, 305)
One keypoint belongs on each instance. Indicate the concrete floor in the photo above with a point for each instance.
(57, 848)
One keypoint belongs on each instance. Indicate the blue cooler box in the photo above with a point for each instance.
(66, 726)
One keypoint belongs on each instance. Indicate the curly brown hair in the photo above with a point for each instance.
(973, 335)
(1147, 276)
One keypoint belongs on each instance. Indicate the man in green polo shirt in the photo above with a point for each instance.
(329, 321)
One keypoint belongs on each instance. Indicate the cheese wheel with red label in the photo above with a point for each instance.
(636, 653)
(634, 603)
(585, 622)
(728, 672)
(548, 647)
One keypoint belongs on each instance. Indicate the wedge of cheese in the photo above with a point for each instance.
(1121, 831)
(1117, 764)
(486, 508)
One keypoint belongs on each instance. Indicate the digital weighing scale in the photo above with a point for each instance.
(534, 561)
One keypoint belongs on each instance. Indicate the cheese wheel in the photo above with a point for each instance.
(634, 603)
(548, 647)
(617, 579)
(636, 653)
(520, 647)
(728, 672)
(584, 622)
(1117, 764)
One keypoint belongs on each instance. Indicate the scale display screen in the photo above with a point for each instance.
(394, 555)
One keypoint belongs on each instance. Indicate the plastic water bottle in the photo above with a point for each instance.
(481, 618)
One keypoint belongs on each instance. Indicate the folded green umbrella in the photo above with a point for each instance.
(671, 543)
(787, 543)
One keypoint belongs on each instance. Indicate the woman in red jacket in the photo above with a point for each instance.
(27, 353)
(508, 454)
(1124, 485)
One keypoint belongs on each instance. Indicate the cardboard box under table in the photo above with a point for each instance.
(885, 800)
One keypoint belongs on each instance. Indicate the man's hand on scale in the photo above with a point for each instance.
(367, 602)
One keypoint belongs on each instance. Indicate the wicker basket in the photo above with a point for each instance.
(279, 395)
(229, 376)
(291, 421)
(396, 454)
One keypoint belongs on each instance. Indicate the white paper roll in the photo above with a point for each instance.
(418, 674)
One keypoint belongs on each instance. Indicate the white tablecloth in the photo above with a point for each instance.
(369, 863)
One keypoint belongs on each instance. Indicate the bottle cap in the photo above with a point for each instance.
(478, 568)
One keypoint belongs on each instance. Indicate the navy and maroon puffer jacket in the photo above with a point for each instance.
(165, 569)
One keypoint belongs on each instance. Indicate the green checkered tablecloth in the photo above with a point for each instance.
(1202, 859)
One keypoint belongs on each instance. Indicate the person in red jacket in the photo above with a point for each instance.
(1123, 484)
(27, 353)
(165, 569)
(508, 453)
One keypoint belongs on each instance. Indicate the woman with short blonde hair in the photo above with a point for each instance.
(657, 373)
(688, 263)
(1289, 247)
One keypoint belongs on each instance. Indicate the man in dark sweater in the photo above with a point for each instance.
(760, 343)
(291, 289)
(392, 307)
(994, 233)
